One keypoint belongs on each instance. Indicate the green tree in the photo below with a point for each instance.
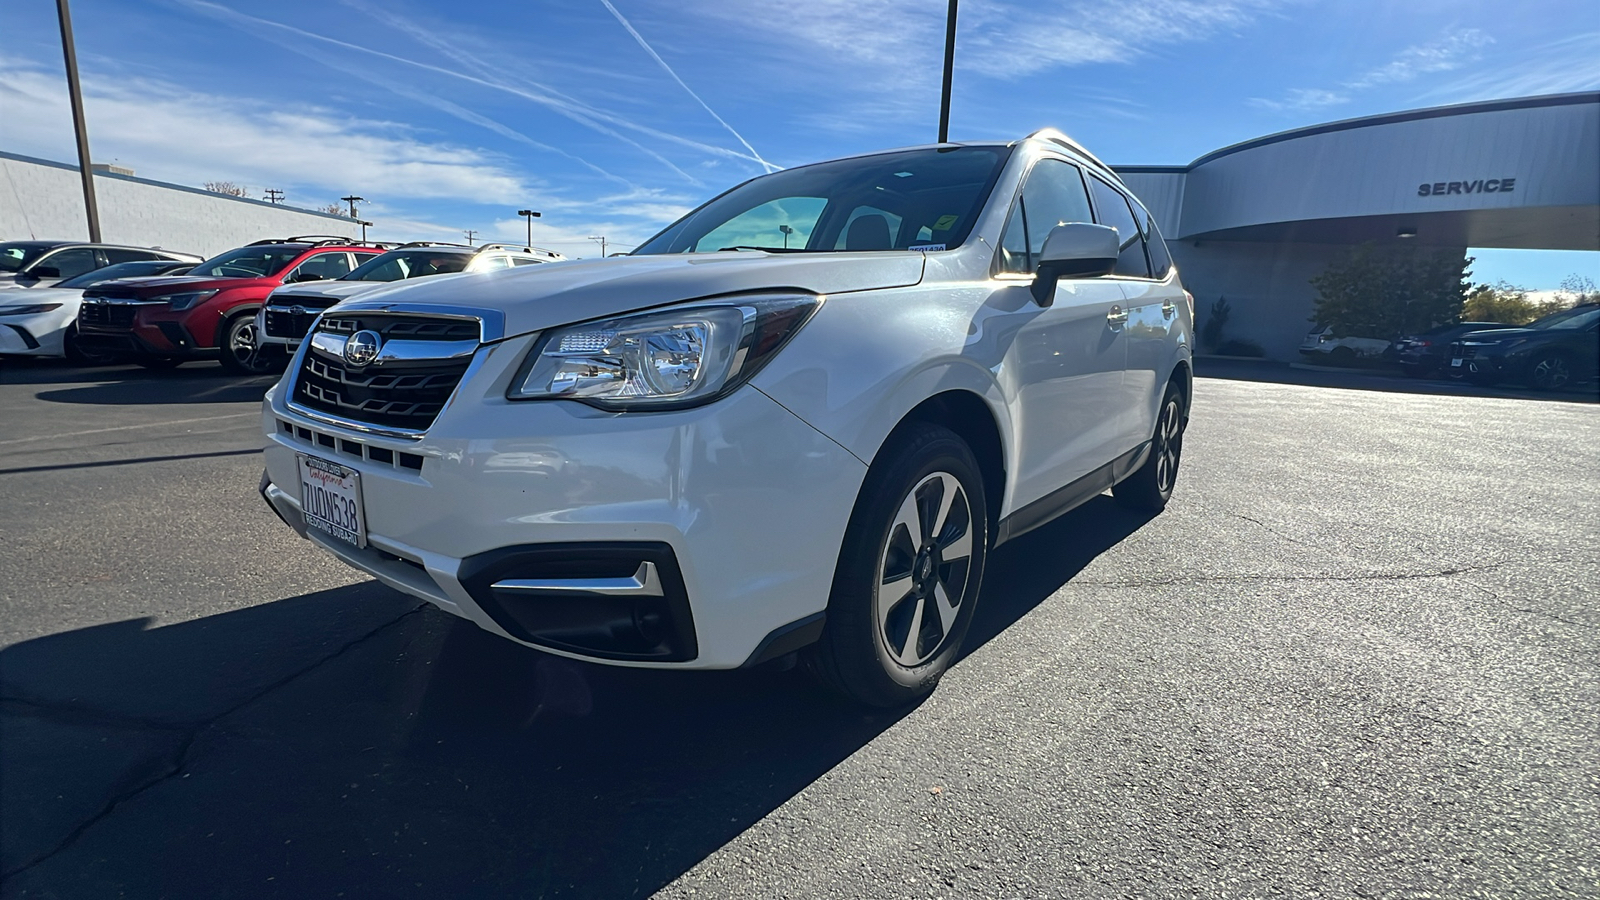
(1388, 293)
(1499, 302)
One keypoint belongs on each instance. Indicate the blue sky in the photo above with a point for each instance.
(614, 116)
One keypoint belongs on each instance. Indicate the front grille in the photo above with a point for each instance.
(405, 395)
(1463, 351)
(106, 315)
(283, 321)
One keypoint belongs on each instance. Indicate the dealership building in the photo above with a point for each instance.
(1256, 221)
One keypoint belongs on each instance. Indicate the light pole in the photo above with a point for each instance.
(75, 94)
(786, 232)
(364, 225)
(352, 199)
(949, 67)
(602, 239)
(530, 215)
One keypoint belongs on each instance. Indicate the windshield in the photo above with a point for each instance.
(120, 270)
(249, 262)
(400, 264)
(913, 199)
(1575, 319)
(13, 257)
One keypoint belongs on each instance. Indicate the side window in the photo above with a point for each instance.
(327, 266)
(1114, 211)
(118, 255)
(525, 261)
(72, 263)
(490, 263)
(1160, 260)
(1053, 195)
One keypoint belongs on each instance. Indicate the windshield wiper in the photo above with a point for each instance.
(767, 249)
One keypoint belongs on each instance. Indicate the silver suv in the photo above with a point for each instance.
(290, 310)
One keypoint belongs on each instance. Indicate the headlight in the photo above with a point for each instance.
(28, 310)
(183, 301)
(681, 357)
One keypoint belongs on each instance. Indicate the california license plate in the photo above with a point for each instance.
(330, 498)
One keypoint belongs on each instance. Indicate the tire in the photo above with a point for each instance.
(1150, 487)
(242, 352)
(159, 363)
(1342, 356)
(78, 356)
(909, 572)
(1550, 372)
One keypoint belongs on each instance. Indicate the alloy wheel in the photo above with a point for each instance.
(923, 569)
(1551, 372)
(244, 347)
(1168, 444)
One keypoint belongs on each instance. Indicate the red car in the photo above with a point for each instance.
(210, 312)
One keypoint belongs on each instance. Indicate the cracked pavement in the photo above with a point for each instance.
(1355, 657)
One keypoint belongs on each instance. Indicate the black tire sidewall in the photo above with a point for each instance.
(861, 663)
(265, 363)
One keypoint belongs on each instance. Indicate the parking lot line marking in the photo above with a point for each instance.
(46, 437)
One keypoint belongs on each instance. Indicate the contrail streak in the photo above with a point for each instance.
(690, 91)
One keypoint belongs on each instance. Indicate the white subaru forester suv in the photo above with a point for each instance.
(798, 419)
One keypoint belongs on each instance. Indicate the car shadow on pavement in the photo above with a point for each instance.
(197, 382)
(351, 742)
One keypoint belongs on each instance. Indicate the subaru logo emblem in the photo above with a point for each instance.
(362, 348)
(297, 310)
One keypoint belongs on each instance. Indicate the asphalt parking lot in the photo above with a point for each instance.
(1356, 656)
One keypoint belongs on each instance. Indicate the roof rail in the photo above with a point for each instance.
(1055, 135)
(409, 244)
(521, 248)
(315, 239)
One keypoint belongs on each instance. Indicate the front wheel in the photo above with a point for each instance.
(1151, 486)
(908, 576)
(79, 356)
(1550, 372)
(242, 350)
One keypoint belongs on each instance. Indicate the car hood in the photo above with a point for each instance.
(1500, 334)
(41, 295)
(151, 286)
(339, 289)
(558, 293)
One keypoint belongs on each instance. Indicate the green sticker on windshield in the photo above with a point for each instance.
(944, 223)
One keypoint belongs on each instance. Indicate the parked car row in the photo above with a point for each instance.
(97, 303)
(1554, 352)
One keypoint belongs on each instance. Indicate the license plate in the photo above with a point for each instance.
(1455, 363)
(330, 497)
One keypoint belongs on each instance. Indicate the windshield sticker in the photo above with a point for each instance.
(945, 223)
(926, 247)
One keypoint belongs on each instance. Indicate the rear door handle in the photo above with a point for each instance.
(1168, 310)
(1117, 317)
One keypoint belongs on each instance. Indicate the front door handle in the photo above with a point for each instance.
(1117, 317)
(1168, 310)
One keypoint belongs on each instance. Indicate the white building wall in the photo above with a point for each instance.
(42, 200)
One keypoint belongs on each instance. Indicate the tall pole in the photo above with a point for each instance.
(602, 239)
(352, 199)
(76, 93)
(530, 215)
(470, 233)
(949, 67)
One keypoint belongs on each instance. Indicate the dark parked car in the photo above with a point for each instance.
(1427, 352)
(1554, 352)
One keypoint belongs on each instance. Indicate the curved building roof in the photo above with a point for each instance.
(1505, 173)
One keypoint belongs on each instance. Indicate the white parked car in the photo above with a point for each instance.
(290, 309)
(798, 419)
(43, 321)
(42, 264)
(1323, 344)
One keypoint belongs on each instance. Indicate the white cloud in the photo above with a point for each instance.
(1449, 53)
(169, 133)
(1559, 67)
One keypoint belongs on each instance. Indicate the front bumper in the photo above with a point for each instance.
(37, 334)
(747, 501)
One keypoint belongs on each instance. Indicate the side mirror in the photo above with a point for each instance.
(1074, 250)
(308, 276)
(45, 272)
